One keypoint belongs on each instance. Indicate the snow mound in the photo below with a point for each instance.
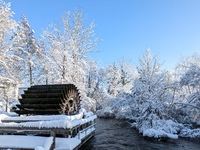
(158, 134)
(39, 148)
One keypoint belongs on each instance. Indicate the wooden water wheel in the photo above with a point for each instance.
(50, 99)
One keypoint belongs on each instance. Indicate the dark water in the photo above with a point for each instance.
(114, 134)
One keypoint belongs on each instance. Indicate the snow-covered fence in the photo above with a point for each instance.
(86, 129)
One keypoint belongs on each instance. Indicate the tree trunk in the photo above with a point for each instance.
(31, 78)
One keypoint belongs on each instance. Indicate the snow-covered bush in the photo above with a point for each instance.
(88, 104)
(121, 107)
(191, 133)
(157, 117)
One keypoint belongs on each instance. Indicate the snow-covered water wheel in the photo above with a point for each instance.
(71, 103)
(50, 99)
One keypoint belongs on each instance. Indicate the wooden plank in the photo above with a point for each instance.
(40, 101)
(42, 95)
(25, 131)
(30, 90)
(39, 106)
(55, 86)
(39, 111)
(34, 129)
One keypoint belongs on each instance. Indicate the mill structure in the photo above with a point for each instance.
(49, 100)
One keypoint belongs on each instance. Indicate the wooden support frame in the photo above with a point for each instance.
(53, 132)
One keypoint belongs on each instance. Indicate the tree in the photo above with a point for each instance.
(191, 77)
(184, 74)
(47, 67)
(82, 39)
(113, 80)
(152, 82)
(128, 73)
(25, 46)
(7, 24)
(69, 44)
(8, 73)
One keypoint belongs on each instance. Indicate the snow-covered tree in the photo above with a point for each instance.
(189, 103)
(47, 67)
(152, 82)
(187, 79)
(82, 38)
(128, 73)
(191, 77)
(112, 80)
(91, 80)
(95, 84)
(68, 45)
(7, 24)
(9, 79)
(25, 46)
(185, 63)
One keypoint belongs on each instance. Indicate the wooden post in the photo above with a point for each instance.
(79, 132)
(52, 133)
(7, 104)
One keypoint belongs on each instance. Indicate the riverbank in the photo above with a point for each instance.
(112, 134)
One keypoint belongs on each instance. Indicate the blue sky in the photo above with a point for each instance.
(171, 28)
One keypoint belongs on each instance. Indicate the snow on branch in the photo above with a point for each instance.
(187, 104)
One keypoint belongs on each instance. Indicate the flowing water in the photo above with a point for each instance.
(112, 134)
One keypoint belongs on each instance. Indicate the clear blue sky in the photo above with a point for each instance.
(171, 28)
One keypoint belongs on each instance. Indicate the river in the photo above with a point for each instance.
(112, 134)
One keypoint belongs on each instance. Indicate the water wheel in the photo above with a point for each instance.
(50, 99)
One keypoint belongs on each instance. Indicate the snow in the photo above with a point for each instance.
(46, 117)
(152, 119)
(187, 104)
(192, 133)
(39, 148)
(2, 116)
(158, 134)
(65, 124)
(37, 142)
(57, 121)
(21, 141)
(66, 143)
(198, 122)
(44, 143)
(48, 143)
(84, 133)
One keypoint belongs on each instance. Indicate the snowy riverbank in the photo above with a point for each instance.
(155, 120)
